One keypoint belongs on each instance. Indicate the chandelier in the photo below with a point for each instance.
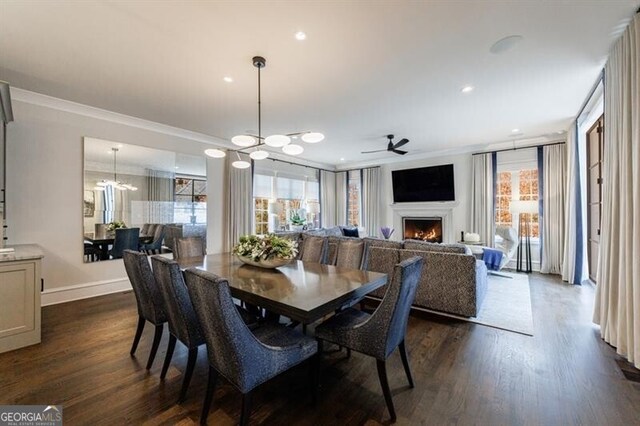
(122, 186)
(253, 143)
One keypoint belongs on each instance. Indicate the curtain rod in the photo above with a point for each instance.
(517, 148)
(591, 92)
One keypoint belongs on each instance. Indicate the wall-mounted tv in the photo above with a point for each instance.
(424, 184)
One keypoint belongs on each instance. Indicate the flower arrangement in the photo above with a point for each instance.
(386, 232)
(264, 247)
(112, 226)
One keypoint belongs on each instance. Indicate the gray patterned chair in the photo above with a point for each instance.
(350, 253)
(380, 333)
(189, 247)
(148, 298)
(245, 358)
(183, 323)
(314, 249)
(154, 246)
(145, 229)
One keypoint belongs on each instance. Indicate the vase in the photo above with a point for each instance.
(297, 228)
(272, 263)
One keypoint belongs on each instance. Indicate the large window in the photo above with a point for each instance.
(354, 198)
(517, 185)
(190, 200)
(277, 197)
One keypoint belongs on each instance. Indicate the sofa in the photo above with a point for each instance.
(452, 279)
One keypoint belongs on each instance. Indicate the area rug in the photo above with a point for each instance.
(507, 305)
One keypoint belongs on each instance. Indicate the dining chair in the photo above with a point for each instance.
(350, 253)
(188, 247)
(315, 249)
(125, 239)
(380, 333)
(148, 299)
(145, 229)
(243, 357)
(155, 245)
(183, 324)
(151, 230)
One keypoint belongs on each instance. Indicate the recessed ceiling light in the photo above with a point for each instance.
(177, 167)
(228, 79)
(342, 159)
(300, 36)
(515, 130)
(467, 89)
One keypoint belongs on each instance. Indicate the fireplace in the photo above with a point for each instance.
(422, 228)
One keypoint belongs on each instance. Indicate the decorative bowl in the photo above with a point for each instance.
(272, 263)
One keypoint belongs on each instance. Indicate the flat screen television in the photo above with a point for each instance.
(423, 184)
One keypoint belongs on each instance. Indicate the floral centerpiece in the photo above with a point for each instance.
(112, 226)
(266, 251)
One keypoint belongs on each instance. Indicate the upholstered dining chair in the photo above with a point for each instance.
(380, 333)
(155, 245)
(145, 229)
(188, 247)
(148, 299)
(125, 239)
(183, 324)
(350, 253)
(315, 249)
(245, 358)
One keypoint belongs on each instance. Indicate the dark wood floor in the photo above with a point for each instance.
(465, 373)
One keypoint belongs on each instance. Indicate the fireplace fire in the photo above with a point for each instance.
(422, 228)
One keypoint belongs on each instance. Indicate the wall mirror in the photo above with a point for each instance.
(140, 198)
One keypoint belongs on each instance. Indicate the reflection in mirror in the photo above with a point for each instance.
(140, 198)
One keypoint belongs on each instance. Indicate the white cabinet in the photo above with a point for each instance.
(20, 298)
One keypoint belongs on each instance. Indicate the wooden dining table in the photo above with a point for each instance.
(103, 241)
(302, 291)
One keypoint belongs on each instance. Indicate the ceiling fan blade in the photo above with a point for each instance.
(371, 152)
(401, 143)
(399, 151)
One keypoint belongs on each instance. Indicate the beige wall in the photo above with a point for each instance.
(45, 190)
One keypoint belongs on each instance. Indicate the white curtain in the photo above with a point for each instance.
(617, 304)
(239, 201)
(553, 182)
(574, 263)
(327, 198)
(482, 198)
(341, 198)
(370, 200)
(160, 187)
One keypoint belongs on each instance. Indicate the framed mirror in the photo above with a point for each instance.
(140, 198)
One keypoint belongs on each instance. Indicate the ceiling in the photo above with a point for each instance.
(365, 69)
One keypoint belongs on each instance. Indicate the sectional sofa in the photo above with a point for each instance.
(452, 280)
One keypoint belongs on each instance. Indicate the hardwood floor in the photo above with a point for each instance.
(464, 373)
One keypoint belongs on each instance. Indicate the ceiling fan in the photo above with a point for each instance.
(392, 147)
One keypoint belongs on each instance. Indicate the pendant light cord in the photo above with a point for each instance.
(259, 110)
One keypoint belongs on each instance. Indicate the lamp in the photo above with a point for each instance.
(519, 207)
(275, 141)
(122, 186)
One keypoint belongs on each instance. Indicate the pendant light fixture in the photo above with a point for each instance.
(252, 144)
(122, 186)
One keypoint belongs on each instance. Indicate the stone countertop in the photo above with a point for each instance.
(22, 252)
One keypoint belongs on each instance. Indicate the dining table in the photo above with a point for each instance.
(303, 291)
(103, 241)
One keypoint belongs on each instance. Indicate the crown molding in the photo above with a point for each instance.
(47, 101)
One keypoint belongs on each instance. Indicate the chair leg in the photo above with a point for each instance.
(208, 397)
(167, 358)
(382, 375)
(405, 362)
(136, 339)
(154, 346)
(246, 409)
(191, 362)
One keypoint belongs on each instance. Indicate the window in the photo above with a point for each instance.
(190, 200)
(517, 185)
(279, 197)
(353, 198)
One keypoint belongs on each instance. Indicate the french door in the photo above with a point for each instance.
(595, 153)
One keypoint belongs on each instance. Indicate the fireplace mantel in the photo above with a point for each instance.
(443, 210)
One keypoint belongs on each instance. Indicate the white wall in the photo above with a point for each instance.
(461, 207)
(45, 189)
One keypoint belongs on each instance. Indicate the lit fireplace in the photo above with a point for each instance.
(422, 228)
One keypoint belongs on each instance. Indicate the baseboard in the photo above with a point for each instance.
(70, 293)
